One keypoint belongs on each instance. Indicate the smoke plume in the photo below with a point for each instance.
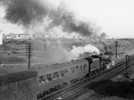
(40, 18)
(24, 11)
(76, 52)
(70, 24)
(50, 52)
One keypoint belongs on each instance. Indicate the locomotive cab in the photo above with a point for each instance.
(94, 62)
(98, 63)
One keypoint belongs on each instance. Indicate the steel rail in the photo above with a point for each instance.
(75, 89)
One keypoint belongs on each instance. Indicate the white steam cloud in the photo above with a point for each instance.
(49, 52)
(77, 51)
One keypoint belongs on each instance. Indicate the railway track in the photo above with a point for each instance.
(66, 92)
(70, 92)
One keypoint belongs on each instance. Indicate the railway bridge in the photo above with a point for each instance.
(23, 85)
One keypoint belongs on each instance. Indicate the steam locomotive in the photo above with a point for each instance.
(57, 76)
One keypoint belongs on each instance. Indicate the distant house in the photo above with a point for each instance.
(12, 36)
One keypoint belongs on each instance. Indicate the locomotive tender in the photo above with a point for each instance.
(59, 76)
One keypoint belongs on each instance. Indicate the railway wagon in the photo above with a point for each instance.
(57, 76)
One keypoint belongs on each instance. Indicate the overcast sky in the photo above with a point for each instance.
(115, 17)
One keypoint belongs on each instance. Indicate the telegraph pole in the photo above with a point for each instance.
(29, 54)
(116, 49)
